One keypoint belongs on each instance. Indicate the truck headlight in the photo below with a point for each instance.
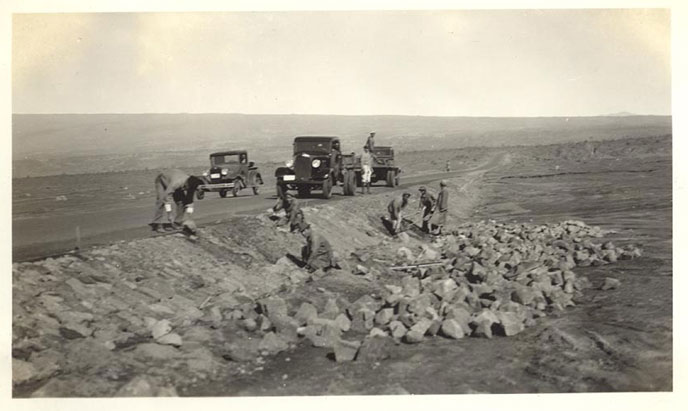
(289, 163)
(225, 171)
(316, 163)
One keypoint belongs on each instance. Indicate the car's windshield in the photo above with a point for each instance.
(312, 146)
(225, 159)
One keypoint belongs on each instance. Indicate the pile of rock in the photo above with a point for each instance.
(495, 279)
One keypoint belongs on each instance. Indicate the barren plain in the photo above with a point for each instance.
(555, 276)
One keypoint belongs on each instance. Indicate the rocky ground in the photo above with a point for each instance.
(578, 299)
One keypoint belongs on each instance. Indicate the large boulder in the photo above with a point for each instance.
(509, 323)
(418, 330)
(306, 312)
(451, 328)
(273, 343)
(345, 351)
(374, 349)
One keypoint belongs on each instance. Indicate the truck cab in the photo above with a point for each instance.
(315, 165)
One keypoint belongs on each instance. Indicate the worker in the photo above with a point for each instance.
(395, 208)
(366, 169)
(337, 156)
(439, 217)
(448, 167)
(317, 253)
(427, 206)
(178, 187)
(370, 143)
(292, 209)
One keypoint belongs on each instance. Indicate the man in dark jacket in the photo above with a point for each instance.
(370, 143)
(317, 253)
(427, 206)
(439, 217)
(294, 214)
(173, 186)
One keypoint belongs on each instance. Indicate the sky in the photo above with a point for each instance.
(430, 63)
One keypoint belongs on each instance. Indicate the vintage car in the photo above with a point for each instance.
(316, 165)
(230, 171)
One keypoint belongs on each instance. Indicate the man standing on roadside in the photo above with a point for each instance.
(371, 141)
(178, 187)
(395, 208)
(427, 206)
(439, 217)
(366, 169)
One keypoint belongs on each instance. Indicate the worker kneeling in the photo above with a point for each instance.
(317, 253)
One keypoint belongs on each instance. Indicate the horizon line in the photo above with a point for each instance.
(617, 114)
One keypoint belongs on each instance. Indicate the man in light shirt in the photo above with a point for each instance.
(367, 159)
(395, 208)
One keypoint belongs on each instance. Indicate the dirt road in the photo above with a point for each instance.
(51, 233)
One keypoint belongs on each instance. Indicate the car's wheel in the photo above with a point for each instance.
(327, 188)
(223, 193)
(255, 190)
(304, 191)
(200, 194)
(390, 178)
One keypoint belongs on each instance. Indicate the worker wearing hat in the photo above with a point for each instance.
(292, 209)
(426, 204)
(173, 186)
(395, 208)
(366, 169)
(371, 141)
(439, 217)
(317, 253)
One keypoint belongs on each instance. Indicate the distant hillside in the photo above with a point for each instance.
(84, 143)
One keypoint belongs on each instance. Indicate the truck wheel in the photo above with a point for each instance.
(352, 183)
(200, 194)
(327, 188)
(255, 190)
(223, 193)
(390, 178)
(304, 191)
(346, 189)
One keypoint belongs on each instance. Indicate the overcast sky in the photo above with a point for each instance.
(448, 63)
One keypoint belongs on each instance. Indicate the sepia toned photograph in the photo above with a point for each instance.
(341, 203)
